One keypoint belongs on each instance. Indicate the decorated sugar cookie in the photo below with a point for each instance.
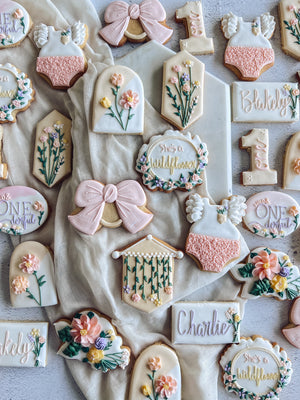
(3, 166)
(214, 241)
(52, 159)
(111, 206)
(292, 331)
(148, 273)
(206, 322)
(249, 52)
(15, 23)
(265, 102)
(291, 170)
(257, 142)
(22, 210)
(289, 23)
(31, 276)
(183, 88)
(118, 102)
(23, 344)
(92, 339)
(255, 369)
(272, 215)
(61, 60)
(156, 375)
(135, 22)
(172, 161)
(192, 16)
(268, 272)
(16, 92)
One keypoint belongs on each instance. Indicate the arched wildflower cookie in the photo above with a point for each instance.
(148, 273)
(15, 23)
(255, 369)
(268, 272)
(292, 331)
(61, 60)
(92, 339)
(289, 22)
(156, 375)
(249, 52)
(213, 240)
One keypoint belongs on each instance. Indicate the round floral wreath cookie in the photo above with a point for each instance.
(255, 369)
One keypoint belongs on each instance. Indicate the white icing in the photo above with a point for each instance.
(16, 347)
(79, 33)
(267, 25)
(236, 208)
(2, 171)
(55, 47)
(40, 35)
(244, 36)
(229, 25)
(13, 24)
(262, 102)
(135, 37)
(194, 207)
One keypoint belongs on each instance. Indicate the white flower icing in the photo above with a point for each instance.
(79, 33)
(194, 208)
(40, 35)
(229, 25)
(236, 208)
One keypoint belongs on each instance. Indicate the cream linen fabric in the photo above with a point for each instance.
(86, 275)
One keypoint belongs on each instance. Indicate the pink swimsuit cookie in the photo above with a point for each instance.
(61, 60)
(249, 52)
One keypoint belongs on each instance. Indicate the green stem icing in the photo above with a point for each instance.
(31, 296)
(128, 118)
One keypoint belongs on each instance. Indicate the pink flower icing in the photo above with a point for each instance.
(212, 252)
(154, 363)
(85, 330)
(249, 60)
(30, 263)
(19, 284)
(117, 79)
(166, 386)
(18, 14)
(266, 265)
(129, 99)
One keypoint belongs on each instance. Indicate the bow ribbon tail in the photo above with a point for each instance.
(134, 219)
(114, 32)
(88, 219)
(155, 30)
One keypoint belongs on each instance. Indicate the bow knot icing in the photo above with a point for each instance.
(134, 11)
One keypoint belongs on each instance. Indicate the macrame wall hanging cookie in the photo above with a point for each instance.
(118, 106)
(156, 375)
(110, 206)
(214, 241)
(91, 338)
(15, 24)
(52, 157)
(248, 53)
(61, 60)
(135, 22)
(148, 273)
(31, 276)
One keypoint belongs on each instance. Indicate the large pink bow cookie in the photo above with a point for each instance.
(135, 22)
(110, 205)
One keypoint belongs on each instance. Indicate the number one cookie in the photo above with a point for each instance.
(3, 167)
(191, 15)
(257, 143)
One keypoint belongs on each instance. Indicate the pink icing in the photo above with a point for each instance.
(249, 60)
(61, 69)
(18, 191)
(292, 335)
(213, 253)
(149, 13)
(295, 312)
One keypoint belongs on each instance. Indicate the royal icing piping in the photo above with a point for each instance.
(257, 141)
(23, 344)
(272, 214)
(148, 273)
(149, 13)
(172, 160)
(265, 102)
(53, 149)
(92, 339)
(118, 106)
(289, 22)
(22, 210)
(206, 322)
(156, 375)
(183, 87)
(16, 92)
(268, 273)
(249, 50)
(292, 331)
(214, 241)
(192, 16)
(3, 166)
(15, 23)
(255, 369)
(31, 276)
(291, 171)
(128, 197)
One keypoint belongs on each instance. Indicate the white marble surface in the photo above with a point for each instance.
(265, 316)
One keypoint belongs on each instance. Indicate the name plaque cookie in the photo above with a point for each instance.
(206, 322)
(22, 210)
(272, 214)
(265, 102)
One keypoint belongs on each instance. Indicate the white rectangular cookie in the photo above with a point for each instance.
(265, 102)
(206, 322)
(23, 344)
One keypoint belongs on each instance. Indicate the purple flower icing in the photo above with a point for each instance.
(284, 272)
(100, 343)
